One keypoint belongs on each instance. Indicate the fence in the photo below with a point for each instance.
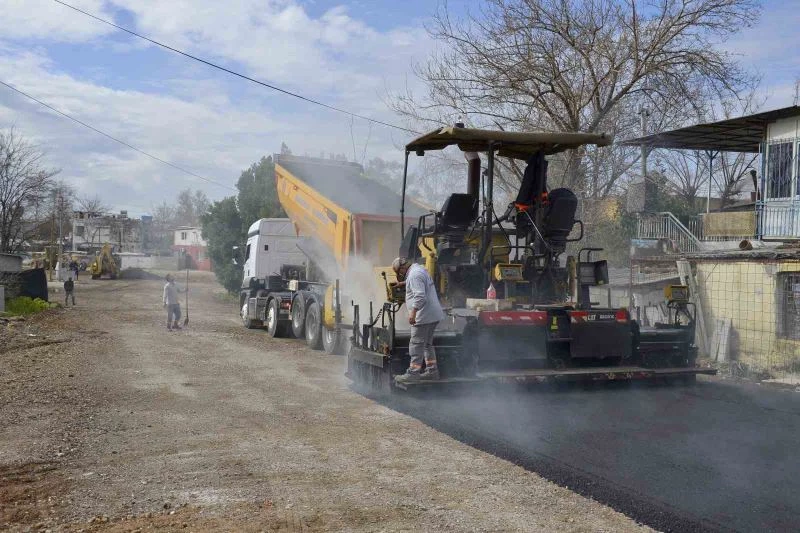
(752, 314)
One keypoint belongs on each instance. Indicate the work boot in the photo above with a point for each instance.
(430, 374)
(408, 377)
(175, 326)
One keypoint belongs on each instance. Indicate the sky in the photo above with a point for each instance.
(350, 54)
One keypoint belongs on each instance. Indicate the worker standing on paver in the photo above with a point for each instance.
(424, 314)
(172, 304)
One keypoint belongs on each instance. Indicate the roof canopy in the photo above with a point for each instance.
(743, 134)
(509, 144)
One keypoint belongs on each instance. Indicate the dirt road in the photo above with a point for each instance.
(110, 422)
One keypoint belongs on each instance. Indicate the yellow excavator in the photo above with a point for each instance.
(105, 264)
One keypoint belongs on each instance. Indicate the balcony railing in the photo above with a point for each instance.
(779, 220)
(665, 225)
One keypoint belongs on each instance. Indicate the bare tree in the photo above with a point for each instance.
(92, 204)
(566, 65)
(24, 185)
(686, 171)
(164, 222)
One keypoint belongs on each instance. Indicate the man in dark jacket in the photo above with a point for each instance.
(69, 292)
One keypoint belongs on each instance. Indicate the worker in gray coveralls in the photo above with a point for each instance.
(172, 304)
(424, 314)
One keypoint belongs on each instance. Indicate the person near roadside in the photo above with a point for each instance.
(73, 266)
(172, 304)
(424, 314)
(69, 292)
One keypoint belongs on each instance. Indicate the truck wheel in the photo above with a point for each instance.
(299, 317)
(331, 341)
(273, 324)
(249, 324)
(314, 326)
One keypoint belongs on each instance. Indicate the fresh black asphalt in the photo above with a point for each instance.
(715, 456)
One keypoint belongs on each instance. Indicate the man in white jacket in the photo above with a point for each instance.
(424, 314)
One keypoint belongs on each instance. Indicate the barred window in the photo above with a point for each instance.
(779, 170)
(789, 305)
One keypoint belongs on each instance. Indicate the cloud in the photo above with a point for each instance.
(184, 112)
(47, 21)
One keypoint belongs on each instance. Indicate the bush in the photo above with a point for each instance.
(24, 305)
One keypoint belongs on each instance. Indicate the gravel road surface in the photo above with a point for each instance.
(108, 422)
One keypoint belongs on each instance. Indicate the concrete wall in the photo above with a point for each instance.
(10, 263)
(787, 128)
(748, 293)
(149, 262)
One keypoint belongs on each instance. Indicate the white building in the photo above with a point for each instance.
(90, 231)
(191, 248)
(189, 236)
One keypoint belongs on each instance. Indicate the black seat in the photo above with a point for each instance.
(560, 217)
(458, 211)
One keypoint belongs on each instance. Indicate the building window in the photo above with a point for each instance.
(183, 235)
(779, 170)
(79, 231)
(789, 306)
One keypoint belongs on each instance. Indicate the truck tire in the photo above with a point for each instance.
(299, 316)
(249, 324)
(314, 326)
(331, 341)
(273, 324)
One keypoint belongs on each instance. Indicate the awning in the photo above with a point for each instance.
(509, 144)
(743, 134)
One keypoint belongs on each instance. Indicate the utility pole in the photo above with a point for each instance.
(644, 113)
(60, 229)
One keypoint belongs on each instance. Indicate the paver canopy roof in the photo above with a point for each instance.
(518, 145)
(742, 134)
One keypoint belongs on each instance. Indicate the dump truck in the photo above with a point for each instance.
(303, 273)
(516, 309)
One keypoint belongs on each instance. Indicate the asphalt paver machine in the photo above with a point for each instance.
(538, 322)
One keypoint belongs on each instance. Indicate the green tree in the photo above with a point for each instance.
(223, 229)
(258, 196)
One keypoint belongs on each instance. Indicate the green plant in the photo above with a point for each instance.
(25, 305)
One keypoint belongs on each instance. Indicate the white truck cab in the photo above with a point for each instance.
(272, 259)
(271, 245)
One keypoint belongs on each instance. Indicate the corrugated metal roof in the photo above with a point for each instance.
(742, 134)
(345, 184)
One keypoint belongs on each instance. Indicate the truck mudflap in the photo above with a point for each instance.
(617, 373)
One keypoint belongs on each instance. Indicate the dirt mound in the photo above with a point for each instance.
(138, 273)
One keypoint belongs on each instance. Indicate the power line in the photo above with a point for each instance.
(104, 134)
(234, 73)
